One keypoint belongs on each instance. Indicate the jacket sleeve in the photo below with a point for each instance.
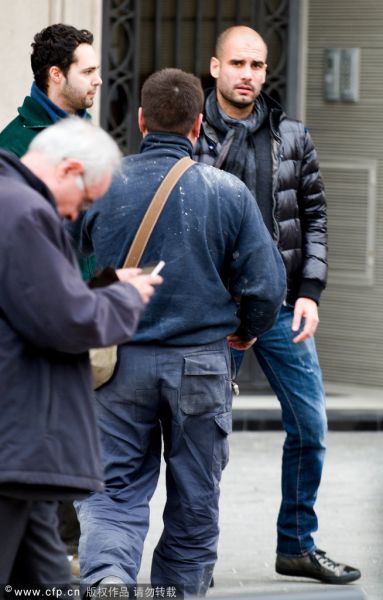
(257, 273)
(312, 207)
(45, 299)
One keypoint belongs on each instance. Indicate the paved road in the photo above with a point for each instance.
(350, 510)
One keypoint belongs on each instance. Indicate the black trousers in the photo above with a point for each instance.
(31, 551)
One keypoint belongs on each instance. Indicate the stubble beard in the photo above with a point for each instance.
(238, 104)
(75, 100)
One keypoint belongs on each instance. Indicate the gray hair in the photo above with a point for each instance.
(77, 138)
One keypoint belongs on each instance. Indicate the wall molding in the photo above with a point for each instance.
(366, 235)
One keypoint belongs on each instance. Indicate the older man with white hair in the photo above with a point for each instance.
(49, 318)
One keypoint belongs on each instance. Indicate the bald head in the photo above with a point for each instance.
(238, 32)
(239, 69)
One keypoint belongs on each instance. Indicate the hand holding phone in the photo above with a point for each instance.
(144, 280)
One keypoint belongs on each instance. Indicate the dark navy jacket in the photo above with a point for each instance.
(49, 319)
(211, 236)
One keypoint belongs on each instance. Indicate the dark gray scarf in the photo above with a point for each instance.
(244, 154)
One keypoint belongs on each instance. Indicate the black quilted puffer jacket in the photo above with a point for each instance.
(299, 205)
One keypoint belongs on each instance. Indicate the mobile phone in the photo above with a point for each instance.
(153, 268)
(158, 268)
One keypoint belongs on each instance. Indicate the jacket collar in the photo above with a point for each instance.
(38, 111)
(276, 114)
(54, 111)
(33, 115)
(180, 144)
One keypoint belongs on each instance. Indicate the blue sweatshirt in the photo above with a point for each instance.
(210, 234)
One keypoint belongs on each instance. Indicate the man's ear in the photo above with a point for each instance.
(264, 74)
(69, 166)
(141, 122)
(55, 74)
(214, 67)
(197, 126)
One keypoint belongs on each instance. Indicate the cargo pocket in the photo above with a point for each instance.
(224, 424)
(204, 378)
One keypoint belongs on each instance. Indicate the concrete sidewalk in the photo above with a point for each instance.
(349, 407)
(349, 507)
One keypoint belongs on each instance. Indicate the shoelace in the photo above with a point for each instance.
(327, 562)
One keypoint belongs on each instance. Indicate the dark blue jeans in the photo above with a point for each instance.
(183, 397)
(294, 374)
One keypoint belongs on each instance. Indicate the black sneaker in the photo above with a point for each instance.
(317, 566)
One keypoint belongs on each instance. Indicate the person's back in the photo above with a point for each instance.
(174, 379)
(205, 235)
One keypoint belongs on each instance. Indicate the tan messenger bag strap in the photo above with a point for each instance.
(150, 219)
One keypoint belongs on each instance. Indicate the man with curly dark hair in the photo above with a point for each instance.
(66, 79)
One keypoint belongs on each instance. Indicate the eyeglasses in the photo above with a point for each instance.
(87, 201)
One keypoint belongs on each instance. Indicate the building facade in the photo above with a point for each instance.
(324, 59)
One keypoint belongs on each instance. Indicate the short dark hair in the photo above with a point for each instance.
(171, 101)
(54, 46)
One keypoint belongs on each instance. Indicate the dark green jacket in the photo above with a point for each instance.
(19, 133)
(17, 136)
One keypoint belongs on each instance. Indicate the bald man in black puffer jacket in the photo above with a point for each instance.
(246, 133)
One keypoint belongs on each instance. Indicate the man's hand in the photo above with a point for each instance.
(235, 342)
(144, 284)
(127, 274)
(306, 309)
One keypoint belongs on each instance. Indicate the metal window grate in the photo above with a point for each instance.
(142, 36)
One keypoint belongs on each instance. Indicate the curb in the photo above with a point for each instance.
(338, 420)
